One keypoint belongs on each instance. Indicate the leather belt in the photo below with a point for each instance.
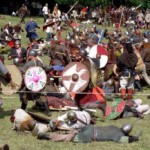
(95, 133)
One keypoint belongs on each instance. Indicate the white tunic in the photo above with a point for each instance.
(45, 10)
(81, 115)
(20, 117)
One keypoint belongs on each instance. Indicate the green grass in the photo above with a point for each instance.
(18, 141)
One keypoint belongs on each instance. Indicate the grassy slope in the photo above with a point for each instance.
(28, 142)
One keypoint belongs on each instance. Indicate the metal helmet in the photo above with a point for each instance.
(127, 128)
(145, 40)
(83, 52)
(16, 61)
(72, 41)
(126, 33)
(68, 37)
(17, 42)
(39, 53)
(77, 29)
(32, 53)
(71, 116)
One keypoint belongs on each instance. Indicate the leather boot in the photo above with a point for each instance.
(133, 139)
(123, 94)
(102, 107)
(24, 105)
(130, 94)
(48, 113)
(43, 136)
(136, 137)
(138, 85)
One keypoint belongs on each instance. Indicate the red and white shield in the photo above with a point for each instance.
(35, 78)
(98, 50)
(75, 77)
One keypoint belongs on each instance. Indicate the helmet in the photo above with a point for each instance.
(83, 52)
(17, 42)
(72, 41)
(71, 116)
(39, 53)
(145, 40)
(126, 128)
(32, 53)
(16, 61)
(77, 29)
(68, 37)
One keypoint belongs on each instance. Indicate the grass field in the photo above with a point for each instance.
(18, 141)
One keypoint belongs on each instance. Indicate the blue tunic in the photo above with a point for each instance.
(31, 29)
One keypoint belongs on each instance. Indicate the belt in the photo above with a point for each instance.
(95, 133)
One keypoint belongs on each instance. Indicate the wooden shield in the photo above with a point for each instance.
(15, 84)
(98, 50)
(115, 110)
(35, 79)
(75, 77)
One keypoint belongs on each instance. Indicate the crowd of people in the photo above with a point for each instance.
(117, 61)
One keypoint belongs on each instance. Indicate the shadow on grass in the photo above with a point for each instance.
(5, 113)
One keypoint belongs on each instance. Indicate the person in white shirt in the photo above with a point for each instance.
(71, 120)
(45, 12)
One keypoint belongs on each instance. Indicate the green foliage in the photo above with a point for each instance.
(84, 2)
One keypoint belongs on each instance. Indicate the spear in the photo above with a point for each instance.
(72, 7)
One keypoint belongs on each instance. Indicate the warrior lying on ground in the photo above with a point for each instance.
(91, 133)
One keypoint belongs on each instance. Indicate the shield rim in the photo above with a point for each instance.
(16, 90)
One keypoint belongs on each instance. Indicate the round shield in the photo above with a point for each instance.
(115, 110)
(75, 77)
(35, 78)
(98, 50)
(16, 82)
(147, 18)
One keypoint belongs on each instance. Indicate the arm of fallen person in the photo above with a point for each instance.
(115, 70)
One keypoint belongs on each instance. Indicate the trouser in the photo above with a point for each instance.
(45, 17)
(23, 18)
(144, 109)
(145, 76)
(131, 112)
(127, 82)
(55, 137)
(25, 96)
(95, 104)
